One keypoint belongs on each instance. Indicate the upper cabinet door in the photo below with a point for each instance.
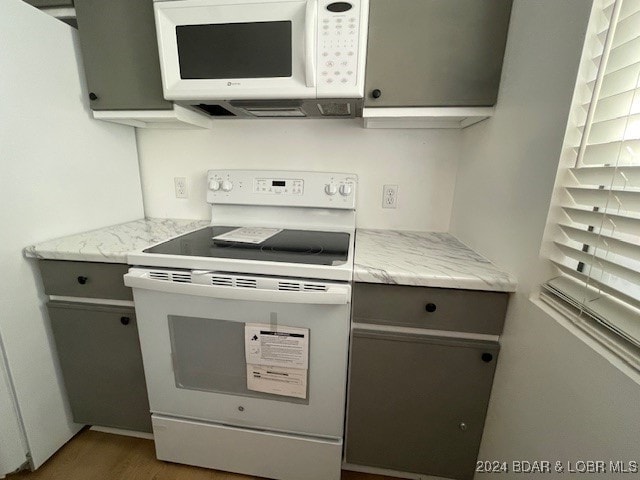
(120, 54)
(50, 3)
(435, 53)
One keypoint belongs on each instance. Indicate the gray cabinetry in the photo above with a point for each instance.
(419, 389)
(97, 344)
(84, 279)
(100, 357)
(435, 53)
(50, 3)
(120, 54)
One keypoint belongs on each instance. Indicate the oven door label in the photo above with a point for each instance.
(291, 382)
(279, 346)
(277, 359)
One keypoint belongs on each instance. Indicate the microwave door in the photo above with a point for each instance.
(212, 50)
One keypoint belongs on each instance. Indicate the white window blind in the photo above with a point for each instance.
(596, 235)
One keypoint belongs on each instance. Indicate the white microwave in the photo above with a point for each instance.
(267, 50)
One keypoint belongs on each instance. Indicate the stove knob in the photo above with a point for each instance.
(214, 185)
(330, 189)
(227, 186)
(345, 190)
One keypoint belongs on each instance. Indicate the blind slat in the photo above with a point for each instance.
(615, 130)
(627, 29)
(623, 55)
(627, 152)
(584, 279)
(626, 200)
(617, 177)
(617, 106)
(624, 224)
(629, 7)
(604, 242)
(601, 307)
(620, 81)
(612, 268)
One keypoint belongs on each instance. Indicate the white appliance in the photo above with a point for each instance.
(236, 57)
(52, 154)
(199, 297)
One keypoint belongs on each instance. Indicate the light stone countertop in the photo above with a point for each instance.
(111, 244)
(381, 256)
(424, 259)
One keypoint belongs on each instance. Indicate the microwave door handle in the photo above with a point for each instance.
(311, 23)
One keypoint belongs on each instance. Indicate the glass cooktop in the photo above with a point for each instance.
(292, 246)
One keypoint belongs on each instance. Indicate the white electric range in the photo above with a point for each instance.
(244, 333)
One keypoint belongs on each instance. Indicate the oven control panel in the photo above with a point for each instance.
(282, 188)
(279, 186)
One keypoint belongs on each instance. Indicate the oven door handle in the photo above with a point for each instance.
(336, 294)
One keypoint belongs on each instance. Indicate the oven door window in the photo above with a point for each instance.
(235, 50)
(208, 355)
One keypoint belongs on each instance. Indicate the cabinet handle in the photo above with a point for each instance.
(486, 357)
(125, 320)
(93, 96)
(82, 280)
(463, 426)
(376, 93)
(430, 307)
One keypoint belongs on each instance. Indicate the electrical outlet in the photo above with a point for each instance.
(180, 184)
(390, 196)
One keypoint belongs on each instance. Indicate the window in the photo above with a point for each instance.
(594, 222)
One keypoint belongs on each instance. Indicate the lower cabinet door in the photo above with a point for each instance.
(418, 403)
(100, 358)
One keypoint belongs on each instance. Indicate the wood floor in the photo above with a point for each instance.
(94, 455)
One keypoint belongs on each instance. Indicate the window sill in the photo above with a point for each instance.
(588, 335)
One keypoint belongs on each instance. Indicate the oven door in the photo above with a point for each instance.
(235, 50)
(192, 334)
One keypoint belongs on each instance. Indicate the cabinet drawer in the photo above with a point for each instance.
(434, 308)
(85, 279)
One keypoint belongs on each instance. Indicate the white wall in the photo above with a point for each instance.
(554, 398)
(62, 173)
(422, 162)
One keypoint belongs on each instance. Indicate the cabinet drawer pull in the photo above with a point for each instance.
(430, 307)
(82, 280)
(486, 357)
(93, 96)
(125, 320)
(463, 426)
(377, 93)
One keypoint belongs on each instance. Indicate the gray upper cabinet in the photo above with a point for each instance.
(120, 54)
(50, 3)
(435, 53)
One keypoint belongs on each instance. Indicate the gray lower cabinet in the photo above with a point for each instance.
(418, 388)
(101, 363)
(120, 54)
(97, 344)
(435, 53)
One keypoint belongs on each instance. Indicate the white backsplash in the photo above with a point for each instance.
(423, 163)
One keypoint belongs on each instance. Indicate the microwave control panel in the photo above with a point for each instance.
(342, 28)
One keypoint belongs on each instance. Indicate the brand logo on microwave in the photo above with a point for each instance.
(230, 84)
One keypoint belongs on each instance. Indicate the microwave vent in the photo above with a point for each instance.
(335, 109)
(214, 110)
